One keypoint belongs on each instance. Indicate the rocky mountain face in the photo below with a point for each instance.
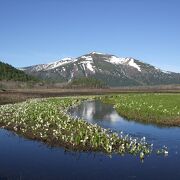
(113, 70)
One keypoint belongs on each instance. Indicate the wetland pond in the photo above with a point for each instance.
(26, 159)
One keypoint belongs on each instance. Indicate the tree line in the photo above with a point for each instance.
(8, 72)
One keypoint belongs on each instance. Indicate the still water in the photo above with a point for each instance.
(25, 159)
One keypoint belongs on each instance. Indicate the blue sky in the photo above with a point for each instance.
(41, 31)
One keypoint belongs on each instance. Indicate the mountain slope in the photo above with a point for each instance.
(8, 72)
(112, 70)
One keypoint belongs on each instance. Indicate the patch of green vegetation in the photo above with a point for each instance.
(48, 120)
(161, 109)
(87, 82)
(8, 72)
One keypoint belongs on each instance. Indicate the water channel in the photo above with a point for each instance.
(25, 159)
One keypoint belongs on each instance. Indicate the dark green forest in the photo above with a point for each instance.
(8, 72)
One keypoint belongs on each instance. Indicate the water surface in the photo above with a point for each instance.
(25, 159)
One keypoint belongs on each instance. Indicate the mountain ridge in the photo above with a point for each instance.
(111, 69)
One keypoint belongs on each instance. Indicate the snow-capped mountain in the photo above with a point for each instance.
(113, 70)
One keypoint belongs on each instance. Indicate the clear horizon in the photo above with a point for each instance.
(38, 32)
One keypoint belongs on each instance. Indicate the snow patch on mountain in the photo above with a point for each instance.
(84, 68)
(21, 69)
(90, 67)
(94, 52)
(88, 64)
(87, 58)
(39, 67)
(67, 59)
(56, 64)
(133, 64)
(127, 61)
(115, 60)
(167, 72)
(53, 65)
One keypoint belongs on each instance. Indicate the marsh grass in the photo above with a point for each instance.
(160, 109)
